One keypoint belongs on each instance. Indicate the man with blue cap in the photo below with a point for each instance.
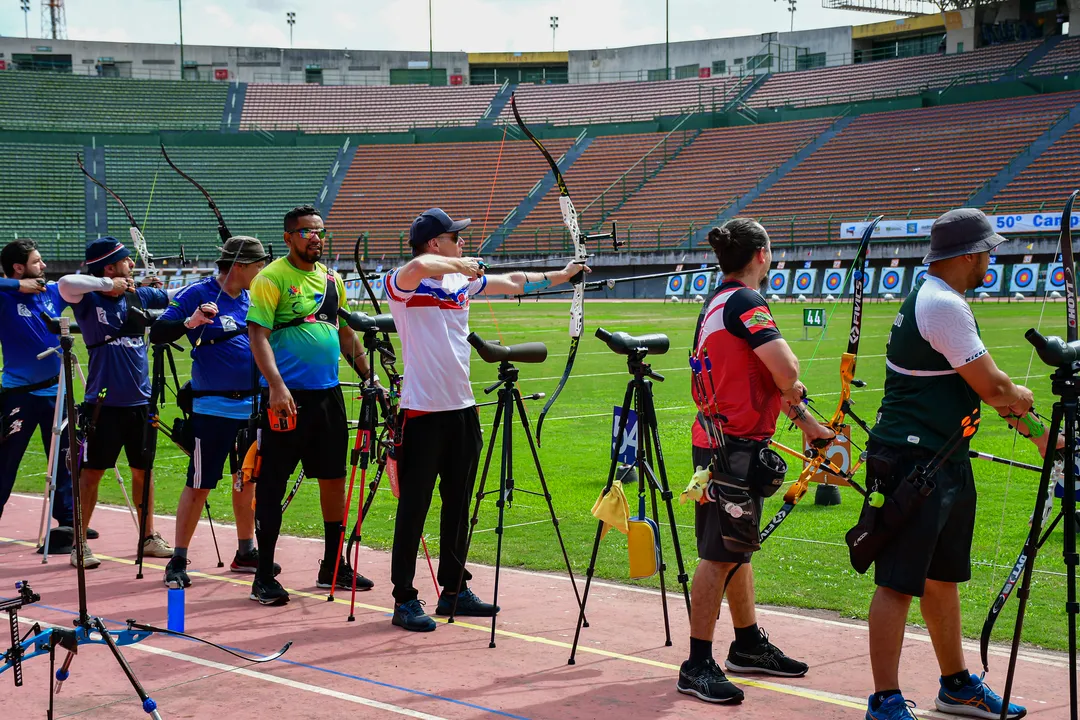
(110, 310)
(441, 437)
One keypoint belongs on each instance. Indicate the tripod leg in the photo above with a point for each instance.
(1031, 545)
(358, 443)
(651, 479)
(50, 474)
(148, 704)
(506, 483)
(476, 507)
(210, 519)
(547, 495)
(628, 400)
(1068, 502)
(127, 498)
(430, 567)
(358, 528)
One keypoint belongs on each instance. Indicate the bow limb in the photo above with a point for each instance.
(137, 629)
(137, 239)
(223, 230)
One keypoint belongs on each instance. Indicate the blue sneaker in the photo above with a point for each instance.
(894, 707)
(975, 700)
(411, 616)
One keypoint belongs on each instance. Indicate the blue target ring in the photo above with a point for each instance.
(833, 281)
(701, 282)
(675, 283)
(919, 276)
(803, 280)
(890, 280)
(1057, 278)
(777, 282)
(1024, 277)
(990, 277)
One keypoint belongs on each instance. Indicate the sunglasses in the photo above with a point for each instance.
(308, 233)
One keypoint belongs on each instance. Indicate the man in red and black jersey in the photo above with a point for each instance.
(752, 378)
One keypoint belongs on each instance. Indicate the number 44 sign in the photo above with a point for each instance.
(624, 452)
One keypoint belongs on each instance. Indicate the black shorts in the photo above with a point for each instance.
(710, 523)
(214, 443)
(116, 428)
(936, 544)
(320, 441)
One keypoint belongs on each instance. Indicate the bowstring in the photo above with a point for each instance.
(483, 230)
(145, 249)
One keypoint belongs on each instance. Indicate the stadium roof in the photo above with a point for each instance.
(885, 7)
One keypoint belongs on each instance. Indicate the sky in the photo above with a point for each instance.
(459, 25)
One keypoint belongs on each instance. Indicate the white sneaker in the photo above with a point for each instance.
(89, 561)
(155, 546)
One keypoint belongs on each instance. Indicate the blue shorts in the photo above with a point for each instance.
(214, 443)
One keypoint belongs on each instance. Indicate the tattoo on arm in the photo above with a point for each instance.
(797, 413)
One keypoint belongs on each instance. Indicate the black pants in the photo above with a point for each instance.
(22, 414)
(447, 445)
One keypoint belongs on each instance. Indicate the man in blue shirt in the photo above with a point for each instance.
(28, 392)
(111, 314)
(224, 384)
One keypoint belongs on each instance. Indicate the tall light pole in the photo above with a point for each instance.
(791, 9)
(290, 18)
(430, 46)
(24, 5)
(554, 26)
(667, 39)
(180, 5)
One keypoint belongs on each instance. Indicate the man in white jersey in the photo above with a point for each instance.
(429, 299)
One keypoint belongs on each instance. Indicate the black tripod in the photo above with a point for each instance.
(509, 404)
(1064, 384)
(639, 397)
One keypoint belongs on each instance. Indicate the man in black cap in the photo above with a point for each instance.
(224, 388)
(937, 372)
(110, 310)
(441, 437)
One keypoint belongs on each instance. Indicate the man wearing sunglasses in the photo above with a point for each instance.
(441, 437)
(296, 336)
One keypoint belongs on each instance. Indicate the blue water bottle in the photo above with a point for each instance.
(176, 609)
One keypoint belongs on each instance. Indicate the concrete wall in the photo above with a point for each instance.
(244, 64)
(629, 62)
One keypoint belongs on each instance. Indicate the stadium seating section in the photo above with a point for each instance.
(362, 108)
(53, 101)
(1063, 58)
(887, 78)
(253, 188)
(1052, 175)
(43, 197)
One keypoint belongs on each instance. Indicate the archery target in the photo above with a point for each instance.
(992, 279)
(920, 273)
(779, 281)
(377, 286)
(676, 285)
(1024, 278)
(891, 280)
(833, 282)
(1055, 277)
(700, 282)
(805, 281)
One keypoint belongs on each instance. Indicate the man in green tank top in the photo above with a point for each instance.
(937, 372)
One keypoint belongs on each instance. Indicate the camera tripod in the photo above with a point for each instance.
(639, 397)
(509, 405)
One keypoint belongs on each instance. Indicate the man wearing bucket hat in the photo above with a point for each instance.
(937, 371)
(110, 310)
(429, 299)
(223, 389)
(296, 336)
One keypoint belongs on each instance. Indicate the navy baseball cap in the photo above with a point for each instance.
(432, 223)
(104, 251)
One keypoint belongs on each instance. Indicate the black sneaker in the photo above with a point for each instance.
(176, 572)
(412, 617)
(92, 534)
(468, 605)
(249, 563)
(766, 658)
(268, 593)
(344, 577)
(706, 681)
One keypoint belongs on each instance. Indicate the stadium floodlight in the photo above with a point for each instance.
(911, 8)
(24, 5)
(791, 9)
(290, 18)
(554, 26)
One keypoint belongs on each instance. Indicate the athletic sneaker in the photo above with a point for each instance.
(89, 561)
(249, 563)
(468, 605)
(92, 534)
(894, 707)
(765, 659)
(155, 546)
(344, 577)
(412, 617)
(268, 593)
(176, 573)
(975, 700)
(706, 681)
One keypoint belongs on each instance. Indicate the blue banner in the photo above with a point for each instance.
(626, 451)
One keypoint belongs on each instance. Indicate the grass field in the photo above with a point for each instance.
(805, 563)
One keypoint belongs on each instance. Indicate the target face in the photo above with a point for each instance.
(833, 281)
(1024, 278)
(920, 275)
(675, 283)
(377, 286)
(1057, 278)
(777, 282)
(701, 282)
(990, 277)
(890, 280)
(803, 281)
